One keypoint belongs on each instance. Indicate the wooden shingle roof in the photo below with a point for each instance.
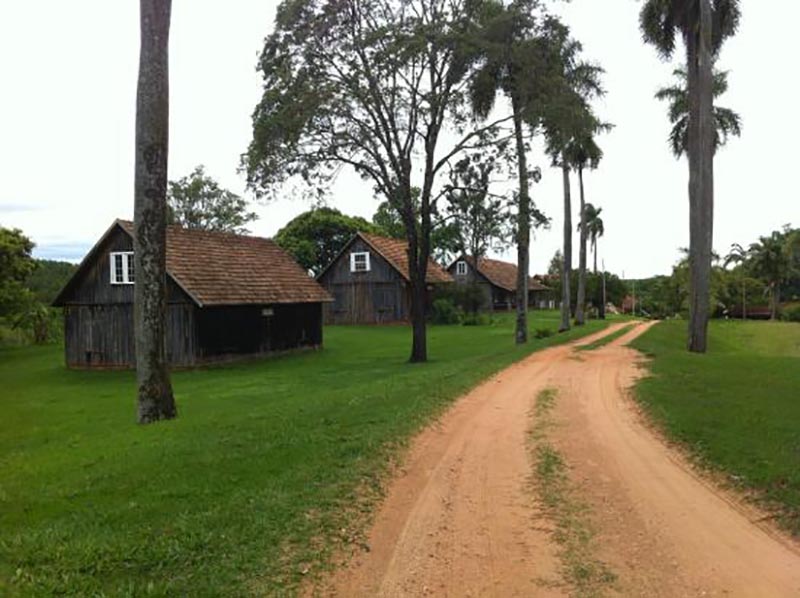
(502, 274)
(216, 268)
(395, 251)
(228, 269)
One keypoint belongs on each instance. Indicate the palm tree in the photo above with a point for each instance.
(583, 152)
(569, 125)
(739, 255)
(511, 45)
(704, 25)
(594, 228)
(155, 398)
(774, 260)
(726, 122)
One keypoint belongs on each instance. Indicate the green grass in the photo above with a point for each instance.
(736, 408)
(609, 338)
(587, 576)
(270, 466)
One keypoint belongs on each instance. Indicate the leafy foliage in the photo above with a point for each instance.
(726, 122)
(197, 201)
(315, 238)
(16, 266)
(370, 85)
(48, 278)
(481, 220)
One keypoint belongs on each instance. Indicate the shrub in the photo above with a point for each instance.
(791, 314)
(444, 311)
(479, 319)
(469, 297)
(542, 333)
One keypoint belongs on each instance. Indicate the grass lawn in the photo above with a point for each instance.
(265, 470)
(609, 338)
(737, 408)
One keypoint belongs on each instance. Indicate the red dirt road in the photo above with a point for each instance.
(461, 518)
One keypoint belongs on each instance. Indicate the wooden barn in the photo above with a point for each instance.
(228, 295)
(369, 282)
(498, 281)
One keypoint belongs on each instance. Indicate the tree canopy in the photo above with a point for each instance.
(373, 85)
(726, 122)
(197, 201)
(16, 266)
(315, 238)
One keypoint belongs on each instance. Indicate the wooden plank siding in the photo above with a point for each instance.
(378, 296)
(99, 330)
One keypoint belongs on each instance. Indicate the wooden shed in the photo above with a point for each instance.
(370, 284)
(498, 281)
(228, 295)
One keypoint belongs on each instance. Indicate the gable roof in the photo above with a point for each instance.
(395, 252)
(216, 268)
(501, 274)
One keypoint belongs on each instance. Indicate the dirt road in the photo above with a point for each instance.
(461, 518)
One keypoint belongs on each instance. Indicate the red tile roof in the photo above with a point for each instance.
(395, 251)
(503, 274)
(217, 268)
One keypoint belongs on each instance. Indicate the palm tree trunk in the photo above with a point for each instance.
(155, 398)
(580, 307)
(594, 254)
(523, 229)
(701, 179)
(776, 301)
(566, 270)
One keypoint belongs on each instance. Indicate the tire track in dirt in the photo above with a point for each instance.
(460, 519)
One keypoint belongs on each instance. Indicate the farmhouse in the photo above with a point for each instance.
(370, 284)
(498, 281)
(228, 295)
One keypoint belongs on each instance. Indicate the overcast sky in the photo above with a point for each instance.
(68, 72)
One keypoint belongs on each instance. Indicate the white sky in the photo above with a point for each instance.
(68, 72)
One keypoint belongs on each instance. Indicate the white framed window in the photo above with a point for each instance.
(121, 263)
(461, 268)
(359, 261)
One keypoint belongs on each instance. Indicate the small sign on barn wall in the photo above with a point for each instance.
(267, 311)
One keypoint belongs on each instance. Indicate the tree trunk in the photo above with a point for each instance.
(417, 270)
(566, 270)
(701, 179)
(776, 301)
(594, 254)
(155, 399)
(580, 307)
(523, 230)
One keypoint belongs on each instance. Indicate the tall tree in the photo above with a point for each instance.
(595, 228)
(155, 398)
(197, 201)
(704, 25)
(739, 255)
(373, 85)
(726, 122)
(583, 152)
(568, 123)
(481, 219)
(520, 49)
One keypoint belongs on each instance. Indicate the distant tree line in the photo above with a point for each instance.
(27, 288)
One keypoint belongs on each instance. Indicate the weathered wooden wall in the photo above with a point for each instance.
(247, 329)
(102, 335)
(375, 297)
(98, 321)
(497, 298)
